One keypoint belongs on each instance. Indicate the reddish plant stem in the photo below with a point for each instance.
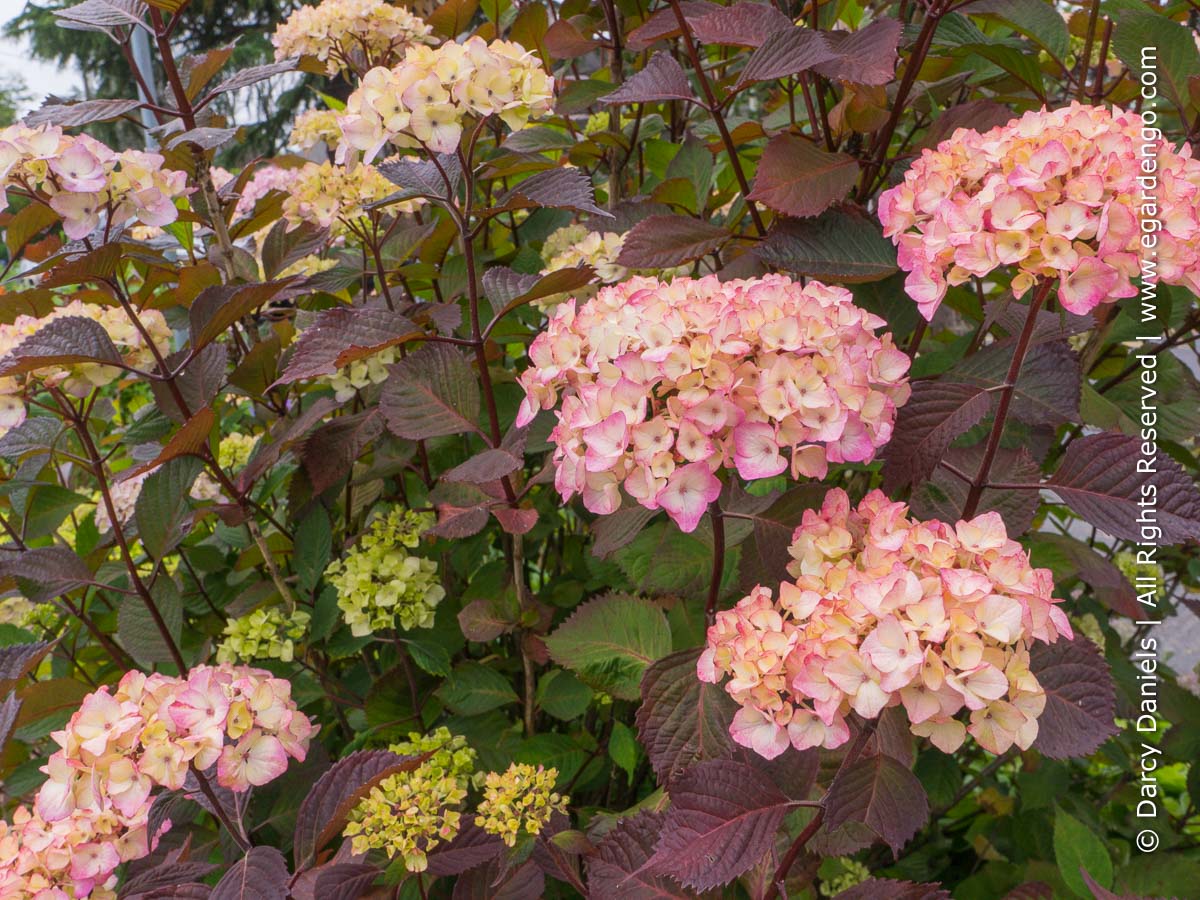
(714, 108)
(219, 811)
(718, 563)
(980, 482)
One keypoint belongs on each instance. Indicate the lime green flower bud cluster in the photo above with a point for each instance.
(410, 813)
(235, 449)
(263, 634)
(852, 873)
(382, 586)
(43, 617)
(13, 610)
(519, 800)
(1132, 569)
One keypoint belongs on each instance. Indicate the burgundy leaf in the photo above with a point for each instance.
(329, 453)
(204, 138)
(168, 874)
(101, 15)
(745, 24)
(507, 290)
(190, 440)
(61, 342)
(614, 531)
(216, 308)
(76, 268)
(8, 717)
(786, 52)
(342, 335)
(430, 393)
(564, 40)
(1099, 479)
(936, 414)
(17, 660)
(34, 435)
(45, 572)
(344, 881)
(1080, 698)
(1049, 326)
(284, 434)
(888, 889)
(185, 891)
(765, 559)
(424, 177)
(323, 813)
(843, 244)
(661, 79)
(262, 874)
(470, 848)
(1031, 890)
(663, 242)
(619, 867)
(723, 817)
(198, 382)
(85, 112)
(282, 247)
(562, 188)
(682, 719)
(665, 24)
(797, 178)
(1110, 585)
(944, 495)
(981, 115)
(254, 75)
(877, 791)
(492, 882)
(485, 620)
(518, 520)
(866, 56)
(1048, 387)
(456, 522)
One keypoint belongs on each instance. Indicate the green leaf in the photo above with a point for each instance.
(137, 630)
(562, 695)
(1077, 847)
(1178, 58)
(162, 510)
(798, 178)
(1037, 20)
(694, 164)
(430, 656)
(557, 751)
(473, 688)
(609, 641)
(314, 543)
(623, 748)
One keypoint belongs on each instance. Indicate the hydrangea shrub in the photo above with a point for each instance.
(613, 450)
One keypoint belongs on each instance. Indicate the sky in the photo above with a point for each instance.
(40, 78)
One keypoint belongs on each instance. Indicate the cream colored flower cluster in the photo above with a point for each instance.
(1054, 194)
(92, 812)
(88, 183)
(425, 100)
(334, 197)
(232, 454)
(663, 385)
(78, 379)
(263, 634)
(411, 813)
(888, 611)
(380, 585)
(519, 801)
(315, 126)
(350, 34)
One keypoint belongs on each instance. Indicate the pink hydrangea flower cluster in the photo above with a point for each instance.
(888, 611)
(92, 813)
(1053, 193)
(665, 384)
(86, 182)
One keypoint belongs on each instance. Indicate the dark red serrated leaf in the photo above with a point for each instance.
(664, 23)
(866, 56)
(619, 868)
(262, 874)
(204, 138)
(515, 520)
(85, 112)
(190, 440)
(723, 817)
(168, 874)
(944, 495)
(485, 620)
(457, 522)
(198, 382)
(842, 244)
(424, 177)
(282, 247)
(254, 75)
(1109, 584)
(430, 393)
(342, 335)
(745, 24)
(76, 268)
(46, 571)
(186, 891)
(1048, 387)
(784, 53)
(216, 308)
(344, 881)
(18, 660)
(1099, 480)
(507, 290)
(764, 561)
(284, 434)
(682, 719)
(323, 812)
(564, 40)
(889, 889)
(496, 881)
(9, 709)
(877, 791)
(981, 115)
(798, 178)
(614, 531)
(470, 848)
(1031, 890)
(328, 454)
(661, 79)
(101, 15)
(1080, 698)
(935, 414)
(61, 342)
(664, 242)
(562, 188)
